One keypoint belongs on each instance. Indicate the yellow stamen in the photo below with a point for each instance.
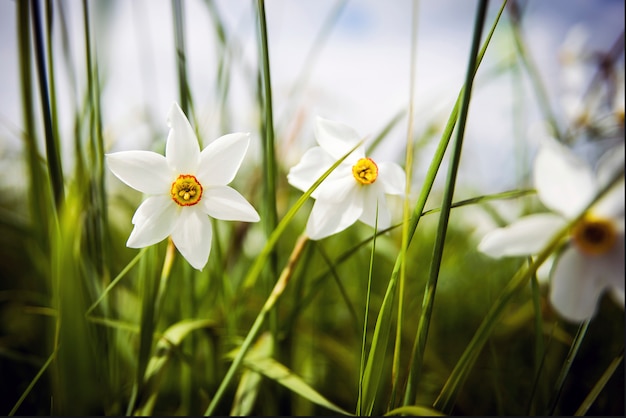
(594, 236)
(365, 171)
(186, 190)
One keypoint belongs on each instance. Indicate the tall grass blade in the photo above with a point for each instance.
(600, 384)
(374, 365)
(53, 153)
(455, 157)
(258, 360)
(445, 400)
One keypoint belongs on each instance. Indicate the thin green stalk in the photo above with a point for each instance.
(32, 384)
(408, 167)
(40, 198)
(539, 344)
(181, 63)
(269, 157)
(117, 278)
(431, 286)
(277, 291)
(55, 169)
(270, 215)
(359, 404)
(254, 273)
(98, 212)
(571, 355)
(445, 400)
(533, 72)
(260, 260)
(597, 388)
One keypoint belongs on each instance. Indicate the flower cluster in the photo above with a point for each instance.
(187, 186)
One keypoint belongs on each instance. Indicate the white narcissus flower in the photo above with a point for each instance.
(353, 190)
(186, 186)
(593, 260)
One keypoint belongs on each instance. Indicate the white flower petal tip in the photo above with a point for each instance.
(221, 159)
(185, 188)
(336, 138)
(564, 182)
(353, 190)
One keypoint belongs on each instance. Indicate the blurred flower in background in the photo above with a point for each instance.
(593, 260)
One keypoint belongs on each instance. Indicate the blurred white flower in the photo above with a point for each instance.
(184, 186)
(353, 190)
(593, 260)
(593, 87)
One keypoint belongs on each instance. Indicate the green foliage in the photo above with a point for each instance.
(275, 324)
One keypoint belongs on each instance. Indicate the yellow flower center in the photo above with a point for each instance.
(594, 236)
(365, 171)
(186, 190)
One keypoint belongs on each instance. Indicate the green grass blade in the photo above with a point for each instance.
(259, 361)
(600, 384)
(571, 355)
(53, 154)
(384, 317)
(445, 400)
(431, 286)
(261, 259)
(181, 60)
(166, 346)
(360, 400)
(277, 291)
(32, 384)
(415, 411)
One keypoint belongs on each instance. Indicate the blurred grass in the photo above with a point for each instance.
(161, 338)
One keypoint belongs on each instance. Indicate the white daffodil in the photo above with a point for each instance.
(593, 259)
(184, 186)
(353, 190)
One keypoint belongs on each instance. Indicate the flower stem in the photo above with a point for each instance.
(277, 291)
(429, 292)
(53, 154)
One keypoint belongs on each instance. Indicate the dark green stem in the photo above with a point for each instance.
(53, 155)
(429, 293)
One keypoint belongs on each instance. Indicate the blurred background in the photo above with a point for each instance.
(347, 61)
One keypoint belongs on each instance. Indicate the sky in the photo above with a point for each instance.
(360, 74)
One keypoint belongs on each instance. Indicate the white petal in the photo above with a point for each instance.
(563, 181)
(526, 236)
(221, 159)
(192, 236)
(328, 218)
(145, 171)
(337, 139)
(374, 196)
(223, 202)
(611, 205)
(154, 221)
(337, 188)
(313, 164)
(575, 287)
(181, 150)
(610, 164)
(392, 176)
(610, 266)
